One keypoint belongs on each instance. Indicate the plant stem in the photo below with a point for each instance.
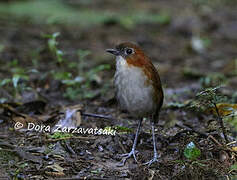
(221, 123)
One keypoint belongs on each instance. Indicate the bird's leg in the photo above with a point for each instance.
(133, 151)
(155, 157)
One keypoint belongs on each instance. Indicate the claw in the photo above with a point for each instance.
(133, 151)
(155, 159)
(151, 161)
(127, 156)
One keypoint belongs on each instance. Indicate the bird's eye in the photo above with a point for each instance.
(129, 51)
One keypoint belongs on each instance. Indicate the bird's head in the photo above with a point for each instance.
(130, 52)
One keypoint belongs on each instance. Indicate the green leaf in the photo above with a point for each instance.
(176, 105)
(82, 53)
(59, 135)
(52, 43)
(72, 65)
(3, 100)
(4, 82)
(56, 34)
(33, 71)
(163, 19)
(13, 63)
(97, 171)
(15, 80)
(62, 75)
(59, 52)
(191, 151)
(75, 81)
(234, 167)
(1, 47)
(123, 129)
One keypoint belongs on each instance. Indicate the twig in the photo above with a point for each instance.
(121, 146)
(219, 144)
(97, 116)
(221, 123)
(7, 145)
(2, 136)
(192, 130)
(233, 142)
(69, 148)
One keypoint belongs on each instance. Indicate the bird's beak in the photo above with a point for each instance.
(113, 51)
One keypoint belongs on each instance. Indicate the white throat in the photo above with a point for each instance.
(120, 62)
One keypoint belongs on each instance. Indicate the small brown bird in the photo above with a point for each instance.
(138, 89)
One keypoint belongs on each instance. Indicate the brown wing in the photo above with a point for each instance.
(159, 95)
(141, 60)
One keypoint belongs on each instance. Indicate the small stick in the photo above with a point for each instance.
(69, 148)
(210, 136)
(191, 129)
(233, 142)
(97, 116)
(122, 147)
(221, 123)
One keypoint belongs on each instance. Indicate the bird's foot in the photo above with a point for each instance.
(127, 156)
(155, 159)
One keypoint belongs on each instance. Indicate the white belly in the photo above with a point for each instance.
(132, 90)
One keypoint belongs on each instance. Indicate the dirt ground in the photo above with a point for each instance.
(193, 46)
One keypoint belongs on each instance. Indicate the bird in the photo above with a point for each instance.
(138, 90)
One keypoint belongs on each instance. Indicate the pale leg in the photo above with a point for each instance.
(133, 151)
(155, 157)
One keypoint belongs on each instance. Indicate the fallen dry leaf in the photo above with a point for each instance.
(224, 109)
